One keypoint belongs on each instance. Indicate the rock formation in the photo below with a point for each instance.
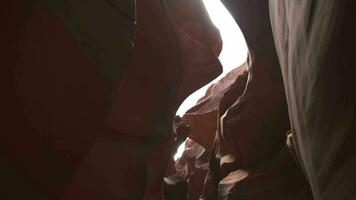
(90, 90)
(315, 42)
(57, 78)
(203, 117)
(94, 112)
(250, 159)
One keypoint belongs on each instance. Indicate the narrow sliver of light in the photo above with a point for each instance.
(180, 151)
(233, 54)
(234, 51)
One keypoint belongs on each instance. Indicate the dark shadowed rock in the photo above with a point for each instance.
(157, 80)
(315, 41)
(85, 116)
(175, 188)
(56, 100)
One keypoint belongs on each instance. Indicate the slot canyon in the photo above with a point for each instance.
(91, 93)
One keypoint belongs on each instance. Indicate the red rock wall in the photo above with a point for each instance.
(84, 116)
(250, 159)
(55, 101)
(203, 117)
(89, 93)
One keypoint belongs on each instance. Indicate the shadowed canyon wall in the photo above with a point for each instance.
(90, 90)
(315, 43)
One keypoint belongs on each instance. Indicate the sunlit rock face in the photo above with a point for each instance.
(203, 117)
(315, 41)
(189, 170)
(250, 160)
(202, 122)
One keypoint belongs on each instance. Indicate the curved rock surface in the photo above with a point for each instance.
(83, 114)
(250, 159)
(203, 117)
(90, 90)
(315, 42)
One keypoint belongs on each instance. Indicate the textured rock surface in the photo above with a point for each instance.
(202, 127)
(203, 121)
(73, 127)
(249, 160)
(190, 169)
(203, 117)
(315, 41)
(172, 54)
(89, 91)
(188, 63)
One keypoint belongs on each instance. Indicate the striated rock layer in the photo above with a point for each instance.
(203, 117)
(250, 158)
(315, 41)
(90, 89)
(202, 122)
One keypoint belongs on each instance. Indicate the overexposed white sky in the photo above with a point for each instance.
(234, 51)
(233, 54)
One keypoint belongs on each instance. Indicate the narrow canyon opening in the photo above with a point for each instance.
(233, 55)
